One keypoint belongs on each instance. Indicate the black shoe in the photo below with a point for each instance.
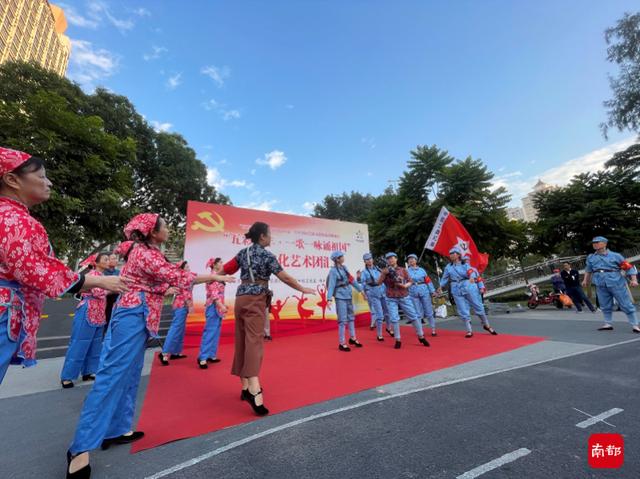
(636, 330)
(88, 377)
(390, 332)
(259, 410)
(213, 360)
(107, 443)
(398, 345)
(490, 329)
(268, 337)
(380, 338)
(163, 361)
(245, 395)
(469, 335)
(355, 342)
(202, 364)
(84, 473)
(424, 341)
(606, 328)
(177, 356)
(66, 384)
(434, 334)
(344, 348)
(371, 328)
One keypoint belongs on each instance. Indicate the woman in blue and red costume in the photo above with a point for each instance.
(83, 354)
(181, 306)
(107, 414)
(29, 271)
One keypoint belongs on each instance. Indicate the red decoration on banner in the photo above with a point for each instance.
(606, 451)
(448, 232)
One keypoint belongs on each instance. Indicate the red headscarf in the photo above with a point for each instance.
(11, 159)
(90, 260)
(144, 222)
(210, 263)
(122, 248)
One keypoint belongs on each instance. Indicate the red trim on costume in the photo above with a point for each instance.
(626, 266)
(427, 280)
(231, 267)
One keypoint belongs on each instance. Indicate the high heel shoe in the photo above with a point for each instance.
(391, 333)
(89, 377)
(66, 384)
(84, 473)
(398, 345)
(259, 410)
(344, 347)
(124, 439)
(355, 342)
(490, 330)
(424, 341)
(244, 395)
(177, 356)
(163, 361)
(202, 364)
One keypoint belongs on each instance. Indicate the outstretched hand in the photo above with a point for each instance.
(308, 291)
(115, 284)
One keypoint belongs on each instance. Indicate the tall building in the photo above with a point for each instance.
(33, 30)
(516, 213)
(530, 212)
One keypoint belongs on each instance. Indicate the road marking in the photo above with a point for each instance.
(589, 415)
(599, 418)
(52, 348)
(297, 422)
(495, 464)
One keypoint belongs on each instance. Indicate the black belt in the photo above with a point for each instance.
(458, 280)
(606, 270)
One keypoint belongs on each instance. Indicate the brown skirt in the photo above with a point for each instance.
(250, 313)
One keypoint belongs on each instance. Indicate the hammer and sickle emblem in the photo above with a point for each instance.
(213, 224)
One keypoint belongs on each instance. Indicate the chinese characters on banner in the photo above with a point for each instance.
(303, 246)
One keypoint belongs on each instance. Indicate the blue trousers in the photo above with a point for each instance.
(7, 347)
(467, 297)
(83, 354)
(406, 305)
(110, 405)
(211, 334)
(424, 308)
(344, 308)
(175, 337)
(605, 298)
(377, 312)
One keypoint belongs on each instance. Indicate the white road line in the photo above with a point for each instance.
(599, 418)
(297, 422)
(495, 464)
(589, 415)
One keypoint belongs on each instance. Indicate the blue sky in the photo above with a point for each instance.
(288, 101)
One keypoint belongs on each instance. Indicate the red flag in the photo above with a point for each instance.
(448, 232)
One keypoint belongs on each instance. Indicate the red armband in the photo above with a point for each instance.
(350, 278)
(231, 267)
(626, 266)
(427, 280)
(469, 272)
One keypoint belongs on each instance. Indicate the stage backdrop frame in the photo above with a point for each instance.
(302, 244)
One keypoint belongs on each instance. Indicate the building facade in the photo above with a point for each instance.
(529, 210)
(516, 213)
(33, 31)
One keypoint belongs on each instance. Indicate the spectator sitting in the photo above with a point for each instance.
(112, 270)
(557, 282)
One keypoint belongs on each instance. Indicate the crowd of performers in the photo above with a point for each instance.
(129, 304)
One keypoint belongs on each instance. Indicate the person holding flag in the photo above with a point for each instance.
(464, 291)
(421, 291)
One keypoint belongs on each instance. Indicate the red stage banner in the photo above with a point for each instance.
(302, 245)
(448, 232)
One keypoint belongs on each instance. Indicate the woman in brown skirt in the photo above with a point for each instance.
(256, 265)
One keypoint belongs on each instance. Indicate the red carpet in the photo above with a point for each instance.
(184, 401)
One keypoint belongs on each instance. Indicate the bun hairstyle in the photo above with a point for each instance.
(138, 237)
(183, 264)
(257, 229)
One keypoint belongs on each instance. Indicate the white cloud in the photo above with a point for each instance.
(155, 53)
(142, 12)
(253, 171)
(225, 113)
(99, 10)
(218, 75)
(308, 206)
(274, 159)
(223, 161)
(560, 175)
(76, 19)
(161, 127)
(88, 65)
(370, 142)
(174, 81)
(263, 205)
(215, 179)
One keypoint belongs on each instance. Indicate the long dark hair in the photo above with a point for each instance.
(140, 238)
(257, 229)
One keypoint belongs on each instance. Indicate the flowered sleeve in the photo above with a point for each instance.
(273, 264)
(27, 256)
(154, 264)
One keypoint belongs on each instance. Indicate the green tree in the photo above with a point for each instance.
(352, 206)
(623, 49)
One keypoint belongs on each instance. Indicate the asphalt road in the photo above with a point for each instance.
(440, 424)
